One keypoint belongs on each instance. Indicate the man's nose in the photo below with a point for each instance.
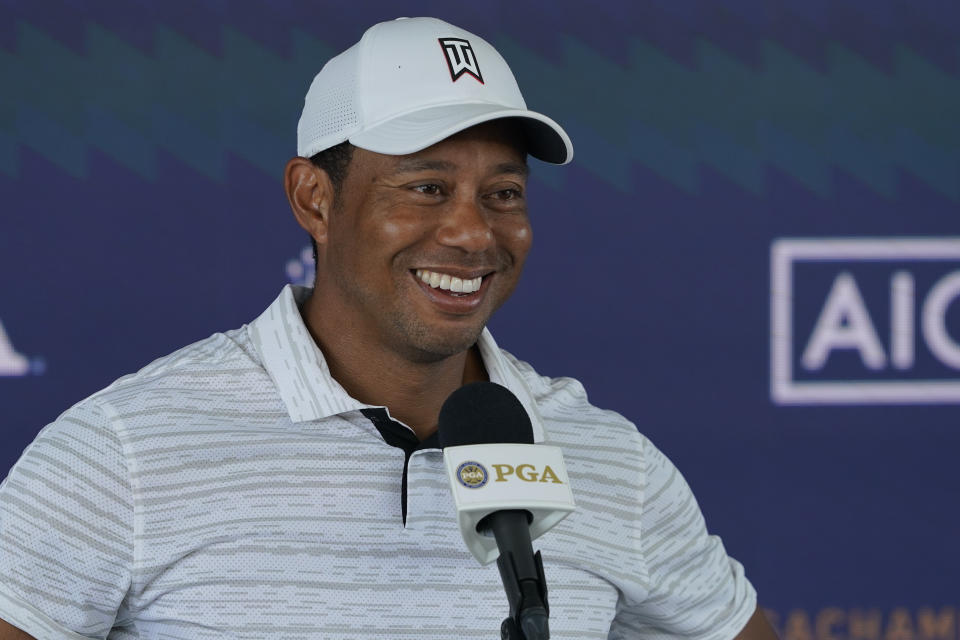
(466, 225)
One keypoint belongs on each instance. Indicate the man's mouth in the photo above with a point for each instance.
(451, 284)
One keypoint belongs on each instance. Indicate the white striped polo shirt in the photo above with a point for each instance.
(233, 489)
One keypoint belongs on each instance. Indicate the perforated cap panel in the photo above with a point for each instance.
(330, 111)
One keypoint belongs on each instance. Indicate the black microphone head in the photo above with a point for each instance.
(483, 413)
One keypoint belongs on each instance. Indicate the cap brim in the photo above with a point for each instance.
(418, 130)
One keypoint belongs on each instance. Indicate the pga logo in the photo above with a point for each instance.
(865, 321)
(526, 473)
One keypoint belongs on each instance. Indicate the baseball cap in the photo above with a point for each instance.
(412, 82)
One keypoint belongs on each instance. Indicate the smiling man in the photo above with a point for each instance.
(284, 480)
(414, 254)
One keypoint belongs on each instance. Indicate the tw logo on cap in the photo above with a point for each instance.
(460, 58)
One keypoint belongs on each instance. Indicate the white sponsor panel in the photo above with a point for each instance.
(11, 362)
(845, 322)
(491, 477)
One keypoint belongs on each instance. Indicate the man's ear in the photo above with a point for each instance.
(311, 196)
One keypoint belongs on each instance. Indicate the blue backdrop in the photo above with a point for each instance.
(701, 266)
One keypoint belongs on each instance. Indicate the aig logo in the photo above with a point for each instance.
(865, 321)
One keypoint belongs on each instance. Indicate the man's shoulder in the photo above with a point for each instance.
(216, 362)
(567, 412)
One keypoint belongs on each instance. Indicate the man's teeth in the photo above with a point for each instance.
(448, 282)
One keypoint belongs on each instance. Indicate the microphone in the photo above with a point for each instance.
(507, 491)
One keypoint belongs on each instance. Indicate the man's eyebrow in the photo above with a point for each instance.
(413, 165)
(519, 168)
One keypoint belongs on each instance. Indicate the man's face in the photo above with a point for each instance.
(409, 231)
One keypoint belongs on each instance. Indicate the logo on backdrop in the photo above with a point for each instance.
(460, 58)
(865, 321)
(13, 363)
(301, 270)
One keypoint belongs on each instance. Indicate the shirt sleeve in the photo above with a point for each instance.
(693, 588)
(66, 530)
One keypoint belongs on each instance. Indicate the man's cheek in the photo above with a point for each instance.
(398, 226)
(518, 239)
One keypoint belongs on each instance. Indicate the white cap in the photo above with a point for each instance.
(413, 82)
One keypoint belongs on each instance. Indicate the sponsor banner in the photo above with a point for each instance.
(865, 321)
(859, 623)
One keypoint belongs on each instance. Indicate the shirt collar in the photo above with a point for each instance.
(308, 390)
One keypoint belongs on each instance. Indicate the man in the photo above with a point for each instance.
(283, 479)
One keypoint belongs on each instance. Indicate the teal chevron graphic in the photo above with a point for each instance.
(805, 120)
(178, 98)
(738, 119)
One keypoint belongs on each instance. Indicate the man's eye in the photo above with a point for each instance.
(427, 189)
(508, 194)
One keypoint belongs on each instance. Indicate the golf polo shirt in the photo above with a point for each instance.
(233, 489)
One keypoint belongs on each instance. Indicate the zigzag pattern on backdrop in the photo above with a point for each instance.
(181, 99)
(740, 119)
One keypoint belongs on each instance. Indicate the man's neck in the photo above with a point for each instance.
(413, 392)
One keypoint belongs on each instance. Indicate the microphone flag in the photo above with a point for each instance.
(485, 478)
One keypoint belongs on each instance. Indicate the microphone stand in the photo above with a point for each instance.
(523, 579)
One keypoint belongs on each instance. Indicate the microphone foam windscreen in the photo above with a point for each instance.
(483, 413)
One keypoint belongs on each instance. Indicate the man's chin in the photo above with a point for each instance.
(435, 346)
